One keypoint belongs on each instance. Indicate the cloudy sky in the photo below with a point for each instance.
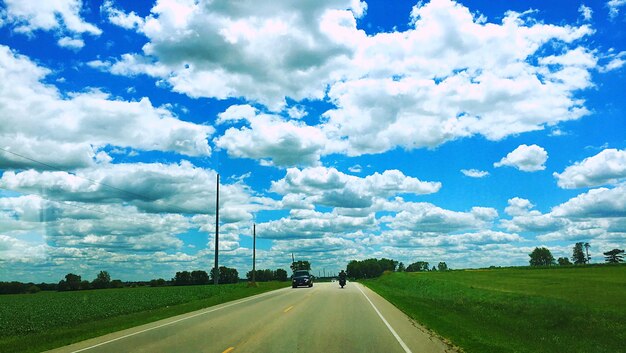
(467, 132)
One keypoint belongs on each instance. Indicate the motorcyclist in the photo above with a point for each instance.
(342, 278)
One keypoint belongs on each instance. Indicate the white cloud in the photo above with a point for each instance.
(67, 130)
(474, 173)
(61, 17)
(518, 206)
(275, 140)
(186, 36)
(412, 89)
(356, 168)
(120, 18)
(236, 113)
(412, 239)
(607, 167)
(614, 7)
(617, 61)
(174, 188)
(309, 224)
(330, 187)
(71, 43)
(596, 203)
(586, 12)
(427, 218)
(525, 158)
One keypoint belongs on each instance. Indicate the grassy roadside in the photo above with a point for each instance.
(516, 310)
(46, 320)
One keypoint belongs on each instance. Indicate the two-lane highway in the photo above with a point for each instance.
(324, 318)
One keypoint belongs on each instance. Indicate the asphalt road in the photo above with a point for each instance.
(324, 318)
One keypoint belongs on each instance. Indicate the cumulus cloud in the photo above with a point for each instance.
(61, 17)
(68, 130)
(474, 173)
(525, 158)
(427, 218)
(408, 239)
(272, 139)
(596, 203)
(607, 167)
(308, 224)
(154, 188)
(451, 75)
(185, 36)
(330, 187)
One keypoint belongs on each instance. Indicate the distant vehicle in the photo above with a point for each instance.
(301, 278)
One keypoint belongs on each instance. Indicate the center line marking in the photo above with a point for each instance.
(289, 308)
(230, 349)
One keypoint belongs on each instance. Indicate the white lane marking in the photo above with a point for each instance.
(176, 321)
(404, 346)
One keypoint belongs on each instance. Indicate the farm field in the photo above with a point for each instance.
(575, 309)
(36, 322)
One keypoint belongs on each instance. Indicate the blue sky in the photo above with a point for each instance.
(466, 132)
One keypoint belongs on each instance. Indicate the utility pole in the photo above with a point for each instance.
(293, 262)
(216, 269)
(254, 253)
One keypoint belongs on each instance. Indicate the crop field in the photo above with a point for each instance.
(574, 309)
(35, 322)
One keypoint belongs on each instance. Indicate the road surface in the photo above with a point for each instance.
(324, 318)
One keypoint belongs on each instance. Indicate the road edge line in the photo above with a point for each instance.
(395, 334)
(178, 320)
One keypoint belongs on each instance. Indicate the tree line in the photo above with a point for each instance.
(268, 275)
(371, 268)
(541, 256)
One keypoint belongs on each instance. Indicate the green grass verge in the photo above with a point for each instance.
(578, 309)
(46, 320)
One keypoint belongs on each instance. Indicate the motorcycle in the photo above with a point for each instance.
(342, 282)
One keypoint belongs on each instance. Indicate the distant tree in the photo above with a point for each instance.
(71, 282)
(158, 282)
(281, 275)
(442, 266)
(401, 267)
(371, 268)
(578, 255)
(614, 256)
(564, 261)
(199, 277)
(301, 265)
(353, 270)
(387, 265)
(85, 284)
(182, 278)
(417, 266)
(116, 283)
(541, 257)
(226, 275)
(103, 280)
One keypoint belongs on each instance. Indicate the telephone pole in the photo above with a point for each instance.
(254, 253)
(216, 269)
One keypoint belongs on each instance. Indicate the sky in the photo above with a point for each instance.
(466, 132)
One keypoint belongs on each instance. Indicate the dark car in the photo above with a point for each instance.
(301, 278)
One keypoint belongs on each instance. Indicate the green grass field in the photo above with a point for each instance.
(577, 309)
(36, 322)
